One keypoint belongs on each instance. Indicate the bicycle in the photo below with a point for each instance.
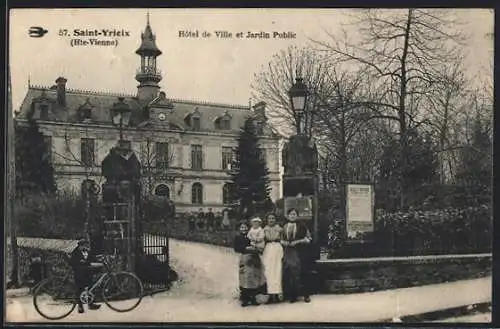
(58, 294)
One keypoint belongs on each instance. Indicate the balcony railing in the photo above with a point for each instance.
(147, 71)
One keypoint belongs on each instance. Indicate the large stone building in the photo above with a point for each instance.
(185, 147)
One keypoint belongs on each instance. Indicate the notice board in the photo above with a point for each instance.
(360, 211)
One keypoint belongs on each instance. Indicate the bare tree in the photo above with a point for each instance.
(446, 102)
(402, 51)
(339, 118)
(70, 156)
(335, 110)
(85, 159)
(272, 84)
(155, 162)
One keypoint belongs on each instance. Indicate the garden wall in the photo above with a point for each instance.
(369, 274)
(54, 254)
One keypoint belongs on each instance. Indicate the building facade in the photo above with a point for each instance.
(185, 147)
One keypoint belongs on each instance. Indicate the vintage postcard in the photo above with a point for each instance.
(249, 165)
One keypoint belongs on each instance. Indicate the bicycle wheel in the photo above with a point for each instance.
(122, 291)
(54, 298)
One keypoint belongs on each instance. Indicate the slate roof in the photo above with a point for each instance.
(102, 102)
(148, 43)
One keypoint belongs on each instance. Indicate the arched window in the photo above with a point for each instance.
(226, 193)
(162, 190)
(197, 193)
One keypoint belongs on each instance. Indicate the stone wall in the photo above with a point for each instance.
(369, 274)
(53, 253)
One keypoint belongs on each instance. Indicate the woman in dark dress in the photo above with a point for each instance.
(251, 273)
(296, 240)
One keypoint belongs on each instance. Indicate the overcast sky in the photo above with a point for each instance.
(217, 70)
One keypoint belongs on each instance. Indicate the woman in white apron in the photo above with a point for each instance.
(272, 258)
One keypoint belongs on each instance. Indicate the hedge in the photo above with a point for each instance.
(414, 232)
(417, 232)
(60, 217)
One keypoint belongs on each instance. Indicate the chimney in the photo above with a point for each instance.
(61, 91)
(260, 110)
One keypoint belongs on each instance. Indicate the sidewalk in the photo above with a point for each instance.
(16, 293)
(206, 292)
(366, 307)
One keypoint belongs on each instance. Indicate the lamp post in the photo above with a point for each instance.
(121, 115)
(298, 96)
(300, 178)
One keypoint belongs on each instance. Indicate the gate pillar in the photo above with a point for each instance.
(121, 200)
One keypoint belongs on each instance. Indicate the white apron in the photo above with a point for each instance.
(272, 261)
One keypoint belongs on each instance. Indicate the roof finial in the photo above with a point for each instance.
(147, 17)
(29, 80)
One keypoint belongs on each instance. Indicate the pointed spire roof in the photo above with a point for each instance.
(148, 42)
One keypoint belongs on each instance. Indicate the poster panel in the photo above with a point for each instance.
(360, 211)
(304, 206)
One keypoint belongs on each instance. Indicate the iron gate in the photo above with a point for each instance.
(156, 258)
(141, 245)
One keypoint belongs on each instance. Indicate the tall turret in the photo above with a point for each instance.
(147, 74)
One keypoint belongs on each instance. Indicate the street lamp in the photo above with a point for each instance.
(298, 96)
(121, 115)
(300, 154)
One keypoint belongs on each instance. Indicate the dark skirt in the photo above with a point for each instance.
(251, 277)
(251, 272)
(295, 274)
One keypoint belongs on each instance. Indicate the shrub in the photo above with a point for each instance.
(418, 232)
(156, 209)
(59, 216)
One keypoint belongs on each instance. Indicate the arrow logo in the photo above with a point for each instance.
(37, 32)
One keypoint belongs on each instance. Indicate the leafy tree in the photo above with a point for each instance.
(250, 180)
(34, 170)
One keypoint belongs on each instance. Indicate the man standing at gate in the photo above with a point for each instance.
(82, 270)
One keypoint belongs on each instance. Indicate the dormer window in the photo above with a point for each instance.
(87, 114)
(187, 120)
(85, 111)
(41, 106)
(223, 122)
(44, 112)
(196, 123)
(259, 128)
(193, 120)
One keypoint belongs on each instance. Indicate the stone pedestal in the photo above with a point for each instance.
(300, 160)
(121, 195)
